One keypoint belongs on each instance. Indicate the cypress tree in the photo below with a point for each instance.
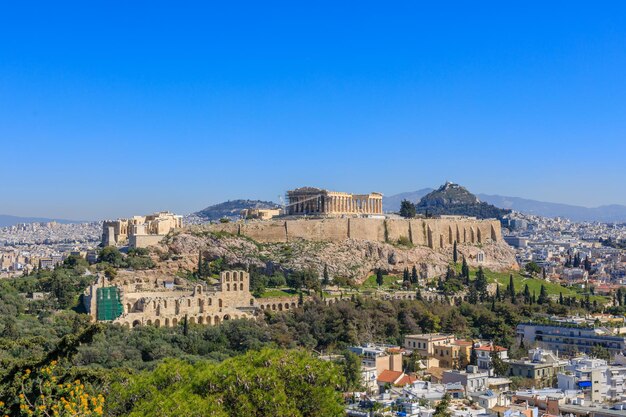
(473, 355)
(511, 286)
(561, 298)
(380, 280)
(414, 278)
(498, 295)
(325, 276)
(200, 264)
(543, 296)
(526, 294)
(465, 271)
(405, 275)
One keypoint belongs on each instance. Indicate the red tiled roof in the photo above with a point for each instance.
(490, 348)
(389, 376)
(405, 380)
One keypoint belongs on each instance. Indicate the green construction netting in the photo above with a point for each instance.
(109, 306)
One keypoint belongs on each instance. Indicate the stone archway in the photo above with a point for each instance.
(174, 322)
(226, 317)
(216, 320)
(167, 322)
(157, 323)
(136, 323)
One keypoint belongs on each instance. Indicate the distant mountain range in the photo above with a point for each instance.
(609, 214)
(7, 220)
(231, 209)
(614, 213)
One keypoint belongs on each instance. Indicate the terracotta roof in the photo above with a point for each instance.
(490, 348)
(405, 380)
(390, 377)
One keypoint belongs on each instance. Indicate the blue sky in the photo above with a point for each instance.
(116, 108)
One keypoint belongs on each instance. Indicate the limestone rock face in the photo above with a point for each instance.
(350, 258)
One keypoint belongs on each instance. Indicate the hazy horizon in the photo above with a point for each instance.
(115, 109)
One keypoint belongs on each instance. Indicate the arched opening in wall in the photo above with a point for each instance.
(429, 234)
(235, 276)
(189, 302)
(252, 301)
(164, 303)
(136, 323)
(227, 275)
(441, 241)
(472, 235)
(273, 306)
(464, 235)
(210, 301)
(154, 305)
(280, 307)
(494, 236)
(192, 320)
(458, 235)
(226, 317)
(126, 324)
(262, 307)
(200, 320)
(479, 235)
(220, 303)
(216, 320)
(167, 322)
(174, 322)
(157, 323)
(241, 287)
(235, 286)
(129, 307)
(198, 289)
(208, 320)
(286, 306)
(293, 305)
(149, 322)
(227, 287)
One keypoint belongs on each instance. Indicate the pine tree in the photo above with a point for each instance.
(472, 296)
(561, 298)
(533, 300)
(455, 255)
(414, 278)
(512, 289)
(498, 295)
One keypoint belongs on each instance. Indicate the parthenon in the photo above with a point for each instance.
(316, 201)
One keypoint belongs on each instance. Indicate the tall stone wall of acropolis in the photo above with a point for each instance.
(434, 233)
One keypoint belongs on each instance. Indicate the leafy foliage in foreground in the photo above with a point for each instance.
(266, 383)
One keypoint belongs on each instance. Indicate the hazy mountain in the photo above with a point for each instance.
(457, 200)
(231, 209)
(609, 213)
(8, 220)
(392, 203)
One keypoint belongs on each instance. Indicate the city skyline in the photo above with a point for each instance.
(107, 116)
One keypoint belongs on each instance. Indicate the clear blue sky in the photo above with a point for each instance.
(123, 107)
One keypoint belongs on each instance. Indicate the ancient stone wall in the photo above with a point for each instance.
(434, 233)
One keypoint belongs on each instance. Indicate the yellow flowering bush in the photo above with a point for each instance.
(42, 395)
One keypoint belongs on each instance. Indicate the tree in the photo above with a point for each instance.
(465, 272)
(500, 368)
(325, 276)
(200, 265)
(527, 295)
(407, 209)
(414, 278)
(441, 410)
(481, 283)
(543, 296)
(498, 295)
(406, 277)
(512, 289)
(112, 255)
(473, 355)
(455, 254)
(601, 352)
(380, 279)
(532, 268)
(561, 298)
(587, 264)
